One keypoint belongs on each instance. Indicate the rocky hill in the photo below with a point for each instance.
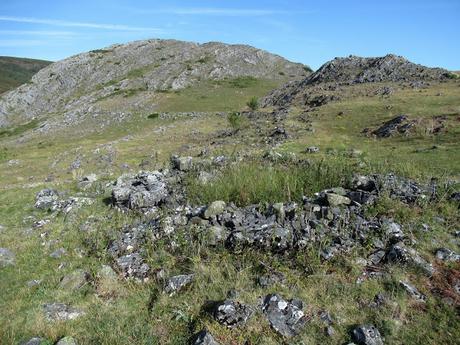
(16, 71)
(354, 70)
(73, 86)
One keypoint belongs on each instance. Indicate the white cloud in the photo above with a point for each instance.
(214, 11)
(36, 33)
(20, 43)
(65, 23)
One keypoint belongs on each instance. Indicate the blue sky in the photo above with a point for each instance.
(311, 32)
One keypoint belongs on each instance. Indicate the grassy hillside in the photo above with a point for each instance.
(121, 312)
(16, 71)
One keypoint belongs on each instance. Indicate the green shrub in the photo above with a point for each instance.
(153, 116)
(236, 120)
(253, 104)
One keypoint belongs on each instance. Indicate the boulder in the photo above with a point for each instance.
(396, 124)
(232, 314)
(61, 312)
(367, 335)
(285, 317)
(35, 341)
(7, 258)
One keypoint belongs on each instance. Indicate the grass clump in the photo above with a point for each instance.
(236, 120)
(253, 182)
(253, 104)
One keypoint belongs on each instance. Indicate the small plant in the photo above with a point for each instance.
(153, 116)
(235, 120)
(253, 104)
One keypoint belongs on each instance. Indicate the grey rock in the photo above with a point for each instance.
(216, 235)
(285, 317)
(67, 341)
(446, 254)
(34, 282)
(399, 253)
(7, 258)
(35, 341)
(46, 199)
(133, 266)
(392, 231)
(75, 280)
(177, 283)
(106, 272)
(232, 313)
(87, 181)
(367, 335)
(204, 338)
(140, 192)
(270, 279)
(413, 292)
(61, 312)
(58, 253)
(397, 124)
(312, 149)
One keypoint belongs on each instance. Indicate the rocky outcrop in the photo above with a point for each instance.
(318, 88)
(74, 85)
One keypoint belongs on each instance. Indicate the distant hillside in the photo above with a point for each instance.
(16, 71)
(115, 81)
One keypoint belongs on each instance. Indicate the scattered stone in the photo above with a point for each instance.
(412, 291)
(67, 341)
(61, 312)
(270, 279)
(392, 231)
(232, 314)
(204, 338)
(367, 335)
(446, 254)
(177, 283)
(335, 200)
(34, 282)
(205, 177)
(106, 272)
(7, 258)
(140, 192)
(285, 317)
(216, 235)
(214, 209)
(455, 196)
(75, 280)
(182, 163)
(312, 149)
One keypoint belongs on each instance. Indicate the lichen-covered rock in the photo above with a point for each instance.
(182, 163)
(141, 192)
(214, 209)
(232, 313)
(367, 335)
(61, 312)
(285, 317)
(399, 253)
(74, 280)
(67, 341)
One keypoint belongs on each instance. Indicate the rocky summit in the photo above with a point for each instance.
(167, 192)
